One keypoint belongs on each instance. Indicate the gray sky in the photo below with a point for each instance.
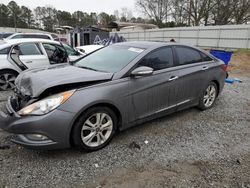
(98, 6)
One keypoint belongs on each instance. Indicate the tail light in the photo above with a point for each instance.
(223, 67)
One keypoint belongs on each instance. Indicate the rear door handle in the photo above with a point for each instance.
(204, 68)
(172, 78)
(28, 61)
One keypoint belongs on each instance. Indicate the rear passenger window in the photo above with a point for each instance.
(29, 49)
(159, 59)
(187, 55)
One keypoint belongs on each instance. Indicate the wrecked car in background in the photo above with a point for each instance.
(17, 55)
(119, 86)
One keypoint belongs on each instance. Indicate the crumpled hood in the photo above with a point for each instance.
(34, 82)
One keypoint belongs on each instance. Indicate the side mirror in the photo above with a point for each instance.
(142, 71)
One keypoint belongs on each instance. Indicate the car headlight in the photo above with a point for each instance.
(46, 105)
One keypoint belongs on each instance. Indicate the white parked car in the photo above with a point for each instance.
(33, 35)
(20, 54)
(89, 48)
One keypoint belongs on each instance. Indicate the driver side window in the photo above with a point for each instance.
(56, 53)
(159, 59)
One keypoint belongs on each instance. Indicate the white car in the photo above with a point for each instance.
(89, 48)
(32, 35)
(17, 55)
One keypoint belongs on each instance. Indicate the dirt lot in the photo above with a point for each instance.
(187, 149)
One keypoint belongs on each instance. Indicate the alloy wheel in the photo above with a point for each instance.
(7, 81)
(209, 96)
(97, 129)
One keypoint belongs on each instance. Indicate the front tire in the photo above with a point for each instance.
(94, 129)
(208, 97)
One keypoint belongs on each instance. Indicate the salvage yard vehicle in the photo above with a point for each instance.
(122, 85)
(20, 54)
(33, 35)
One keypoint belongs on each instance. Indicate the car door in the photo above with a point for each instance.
(31, 55)
(56, 53)
(193, 69)
(72, 53)
(157, 92)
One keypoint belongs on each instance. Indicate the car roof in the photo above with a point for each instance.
(10, 42)
(31, 34)
(152, 45)
(142, 44)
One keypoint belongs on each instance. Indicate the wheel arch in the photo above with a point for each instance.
(217, 85)
(9, 69)
(100, 104)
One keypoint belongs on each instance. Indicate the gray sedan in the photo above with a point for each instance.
(87, 103)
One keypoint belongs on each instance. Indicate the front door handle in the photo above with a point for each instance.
(204, 68)
(172, 78)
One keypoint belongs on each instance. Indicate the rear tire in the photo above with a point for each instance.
(94, 129)
(7, 80)
(208, 96)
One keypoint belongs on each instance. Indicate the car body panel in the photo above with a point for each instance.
(34, 61)
(30, 61)
(34, 82)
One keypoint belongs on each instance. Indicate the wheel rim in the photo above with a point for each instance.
(97, 129)
(7, 81)
(209, 96)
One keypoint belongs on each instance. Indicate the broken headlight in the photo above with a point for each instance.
(46, 105)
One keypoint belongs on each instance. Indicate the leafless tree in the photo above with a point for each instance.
(159, 10)
(241, 11)
(179, 12)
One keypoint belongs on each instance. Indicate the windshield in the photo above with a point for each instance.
(110, 59)
(70, 50)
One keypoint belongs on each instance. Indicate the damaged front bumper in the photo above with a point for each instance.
(50, 131)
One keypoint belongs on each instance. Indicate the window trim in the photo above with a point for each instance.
(128, 73)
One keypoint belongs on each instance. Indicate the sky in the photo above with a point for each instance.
(108, 6)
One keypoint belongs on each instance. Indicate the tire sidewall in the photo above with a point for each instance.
(201, 101)
(76, 133)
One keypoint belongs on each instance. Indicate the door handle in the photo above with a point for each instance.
(28, 61)
(172, 78)
(204, 68)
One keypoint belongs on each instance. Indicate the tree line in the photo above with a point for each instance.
(196, 12)
(48, 18)
(163, 13)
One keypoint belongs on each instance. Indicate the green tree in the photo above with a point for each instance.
(105, 19)
(64, 18)
(4, 16)
(15, 13)
(27, 18)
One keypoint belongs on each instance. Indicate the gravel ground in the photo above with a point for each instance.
(187, 149)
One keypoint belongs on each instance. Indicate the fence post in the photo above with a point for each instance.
(180, 35)
(248, 39)
(219, 36)
(198, 36)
